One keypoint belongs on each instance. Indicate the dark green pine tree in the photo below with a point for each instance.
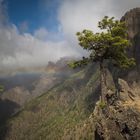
(1, 88)
(110, 44)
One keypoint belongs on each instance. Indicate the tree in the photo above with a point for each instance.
(1, 88)
(110, 44)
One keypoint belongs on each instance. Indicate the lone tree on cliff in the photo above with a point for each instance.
(110, 44)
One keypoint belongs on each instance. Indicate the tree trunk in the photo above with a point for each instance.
(102, 82)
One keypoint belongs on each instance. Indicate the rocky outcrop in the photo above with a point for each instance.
(132, 20)
(121, 120)
(126, 92)
(120, 124)
(117, 120)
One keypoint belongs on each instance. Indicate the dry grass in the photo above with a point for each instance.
(132, 104)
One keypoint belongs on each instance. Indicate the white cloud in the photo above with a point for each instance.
(76, 15)
(41, 34)
(25, 49)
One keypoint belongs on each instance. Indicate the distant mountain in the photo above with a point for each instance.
(24, 86)
(38, 81)
(19, 80)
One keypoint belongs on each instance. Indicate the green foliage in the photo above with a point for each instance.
(1, 88)
(102, 104)
(79, 63)
(110, 44)
(53, 114)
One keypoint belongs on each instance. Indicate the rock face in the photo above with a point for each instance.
(121, 120)
(132, 19)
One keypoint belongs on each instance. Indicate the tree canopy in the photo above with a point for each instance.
(1, 88)
(109, 44)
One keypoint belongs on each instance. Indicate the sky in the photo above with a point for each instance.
(33, 14)
(34, 32)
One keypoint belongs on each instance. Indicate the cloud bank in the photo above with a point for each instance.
(76, 15)
(24, 49)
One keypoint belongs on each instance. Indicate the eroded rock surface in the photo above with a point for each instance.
(121, 120)
(132, 20)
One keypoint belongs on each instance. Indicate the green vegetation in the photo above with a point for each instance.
(102, 104)
(110, 44)
(1, 88)
(55, 114)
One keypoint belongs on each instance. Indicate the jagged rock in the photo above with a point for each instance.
(132, 20)
(120, 121)
(120, 124)
(126, 92)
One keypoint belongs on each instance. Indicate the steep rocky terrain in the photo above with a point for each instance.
(120, 119)
(132, 20)
(56, 111)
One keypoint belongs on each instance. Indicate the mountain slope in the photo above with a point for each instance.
(23, 86)
(52, 114)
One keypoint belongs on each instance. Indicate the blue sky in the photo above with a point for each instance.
(35, 13)
(39, 31)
